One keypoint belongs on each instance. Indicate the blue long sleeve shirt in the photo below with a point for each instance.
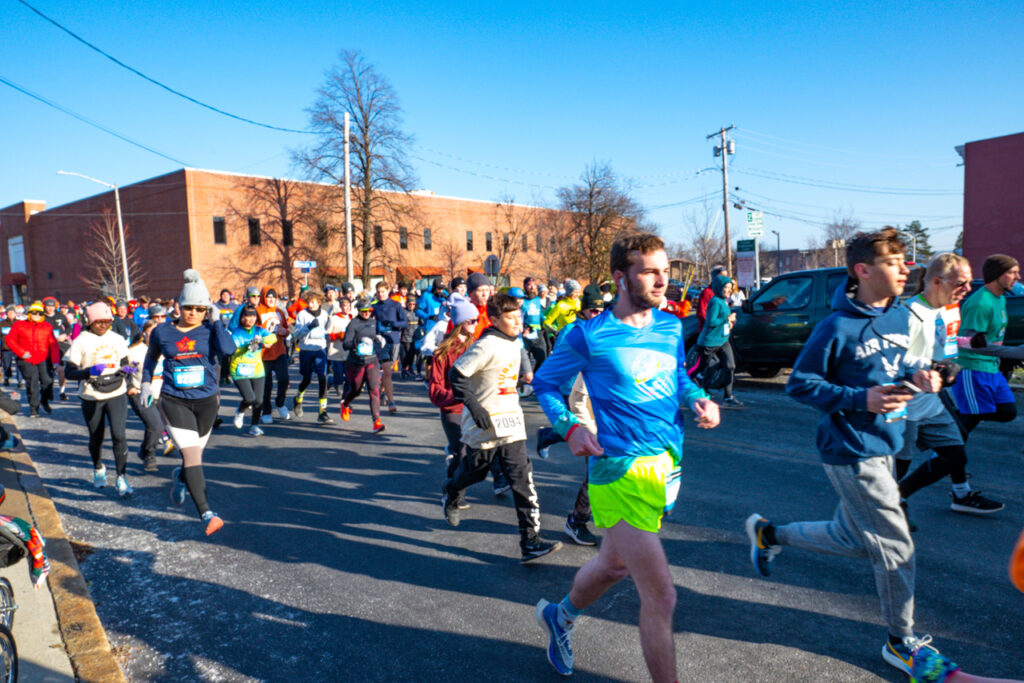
(190, 358)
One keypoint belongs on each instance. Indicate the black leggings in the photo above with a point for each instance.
(948, 460)
(278, 366)
(1005, 412)
(154, 426)
(38, 382)
(115, 410)
(251, 390)
(726, 358)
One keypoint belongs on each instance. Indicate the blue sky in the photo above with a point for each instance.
(519, 98)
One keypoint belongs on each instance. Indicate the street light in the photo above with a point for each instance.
(778, 253)
(120, 228)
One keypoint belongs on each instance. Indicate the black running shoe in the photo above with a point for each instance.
(579, 533)
(448, 506)
(324, 418)
(149, 464)
(538, 547)
(975, 504)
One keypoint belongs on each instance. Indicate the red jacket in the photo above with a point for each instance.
(34, 338)
(702, 306)
(438, 387)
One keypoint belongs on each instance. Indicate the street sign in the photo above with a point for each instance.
(745, 245)
(755, 223)
(304, 264)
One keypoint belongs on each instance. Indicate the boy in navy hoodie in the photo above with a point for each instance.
(852, 371)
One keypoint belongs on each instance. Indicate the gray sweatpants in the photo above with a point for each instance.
(868, 523)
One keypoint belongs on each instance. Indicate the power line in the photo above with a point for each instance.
(157, 83)
(832, 208)
(751, 148)
(790, 141)
(846, 187)
(90, 122)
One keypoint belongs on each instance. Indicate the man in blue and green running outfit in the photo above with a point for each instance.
(631, 358)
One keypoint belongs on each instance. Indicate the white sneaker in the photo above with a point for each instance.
(283, 413)
(123, 488)
(239, 420)
(266, 419)
(255, 431)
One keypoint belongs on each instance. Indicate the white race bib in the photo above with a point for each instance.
(509, 425)
(245, 369)
(188, 376)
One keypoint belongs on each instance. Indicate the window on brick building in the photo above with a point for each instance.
(427, 246)
(487, 242)
(378, 237)
(526, 242)
(322, 234)
(254, 232)
(506, 240)
(286, 233)
(540, 243)
(469, 240)
(403, 238)
(220, 231)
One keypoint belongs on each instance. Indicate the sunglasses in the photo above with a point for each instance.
(194, 309)
(35, 313)
(474, 321)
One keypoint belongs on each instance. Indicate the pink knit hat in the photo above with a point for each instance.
(98, 310)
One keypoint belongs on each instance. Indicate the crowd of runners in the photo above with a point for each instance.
(894, 379)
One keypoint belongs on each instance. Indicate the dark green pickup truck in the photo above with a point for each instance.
(773, 325)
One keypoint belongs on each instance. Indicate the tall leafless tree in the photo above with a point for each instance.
(287, 216)
(104, 270)
(513, 223)
(707, 242)
(599, 208)
(382, 177)
(451, 253)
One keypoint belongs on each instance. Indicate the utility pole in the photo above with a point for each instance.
(725, 149)
(348, 211)
(778, 253)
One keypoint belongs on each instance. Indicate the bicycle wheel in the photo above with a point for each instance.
(7, 604)
(8, 657)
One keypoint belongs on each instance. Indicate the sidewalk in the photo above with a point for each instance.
(56, 629)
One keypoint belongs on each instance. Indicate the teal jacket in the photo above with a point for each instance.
(716, 324)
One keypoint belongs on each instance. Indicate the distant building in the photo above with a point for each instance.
(993, 188)
(241, 230)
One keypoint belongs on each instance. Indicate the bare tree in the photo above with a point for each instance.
(451, 257)
(550, 231)
(104, 269)
(382, 177)
(837, 232)
(285, 216)
(514, 223)
(599, 209)
(707, 243)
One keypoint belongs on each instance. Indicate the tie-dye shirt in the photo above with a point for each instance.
(637, 380)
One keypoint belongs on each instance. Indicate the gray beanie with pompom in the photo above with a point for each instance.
(194, 293)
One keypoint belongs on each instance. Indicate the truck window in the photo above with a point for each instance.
(833, 282)
(784, 295)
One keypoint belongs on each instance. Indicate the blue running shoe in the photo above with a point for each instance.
(178, 488)
(123, 487)
(931, 667)
(559, 637)
(901, 656)
(99, 477)
(761, 553)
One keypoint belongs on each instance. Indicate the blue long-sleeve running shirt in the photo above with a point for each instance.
(637, 382)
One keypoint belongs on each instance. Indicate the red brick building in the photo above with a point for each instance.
(993, 188)
(240, 230)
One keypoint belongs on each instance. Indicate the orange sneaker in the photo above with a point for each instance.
(378, 426)
(346, 413)
(213, 523)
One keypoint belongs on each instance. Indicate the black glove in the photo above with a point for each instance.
(979, 340)
(315, 323)
(948, 370)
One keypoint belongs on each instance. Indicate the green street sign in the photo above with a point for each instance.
(745, 245)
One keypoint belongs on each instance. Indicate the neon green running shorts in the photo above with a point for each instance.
(641, 497)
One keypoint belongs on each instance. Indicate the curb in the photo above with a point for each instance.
(85, 639)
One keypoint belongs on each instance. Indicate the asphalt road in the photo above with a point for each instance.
(335, 562)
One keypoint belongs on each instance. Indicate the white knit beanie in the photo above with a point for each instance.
(194, 293)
